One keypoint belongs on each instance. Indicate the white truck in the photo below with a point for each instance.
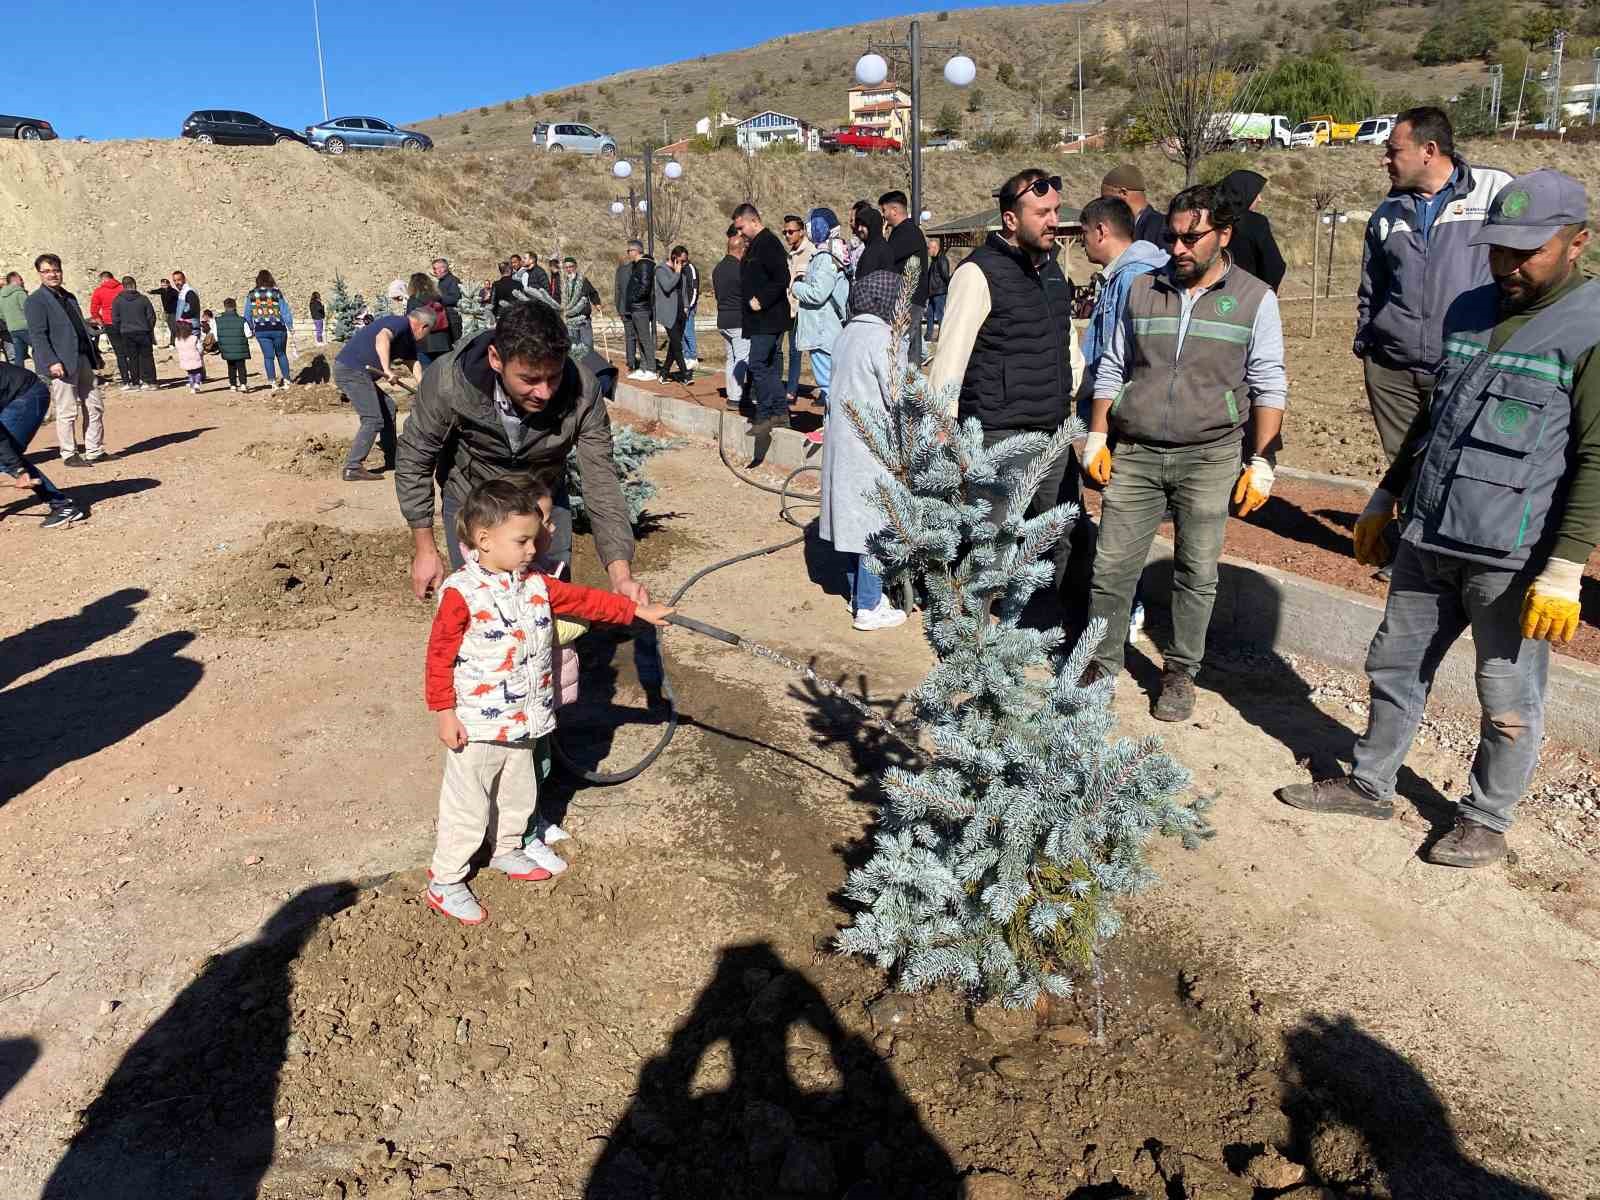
(1375, 131)
(1256, 130)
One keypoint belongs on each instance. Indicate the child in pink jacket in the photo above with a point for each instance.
(191, 355)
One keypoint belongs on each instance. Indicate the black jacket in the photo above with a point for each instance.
(1252, 246)
(905, 243)
(875, 255)
(169, 298)
(1020, 375)
(939, 274)
(641, 284)
(132, 312)
(764, 276)
(501, 295)
(1151, 226)
(725, 283)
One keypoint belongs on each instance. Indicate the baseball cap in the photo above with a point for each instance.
(1531, 208)
(1126, 175)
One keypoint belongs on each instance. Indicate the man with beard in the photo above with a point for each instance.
(1500, 479)
(1193, 369)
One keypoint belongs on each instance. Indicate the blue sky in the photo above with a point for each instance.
(136, 70)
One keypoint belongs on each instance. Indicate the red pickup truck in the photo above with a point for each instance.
(857, 137)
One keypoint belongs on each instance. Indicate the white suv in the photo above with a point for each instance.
(581, 139)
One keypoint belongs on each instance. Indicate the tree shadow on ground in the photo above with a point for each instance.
(165, 439)
(17, 1056)
(721, 1112)
(1368, 1122)
(83, 708)
(84, 495)
(62, 637)
(189, 1109)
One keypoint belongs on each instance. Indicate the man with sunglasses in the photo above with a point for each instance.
(1196, 341)
(1003, 355)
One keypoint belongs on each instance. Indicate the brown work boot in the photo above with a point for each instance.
(360, 475)
(1468, 845)
(1336, 796)
(1176, 701)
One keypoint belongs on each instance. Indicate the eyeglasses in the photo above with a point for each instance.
(1039, 187)
(1191, 239)
(787, 229)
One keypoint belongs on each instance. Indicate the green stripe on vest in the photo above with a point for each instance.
(1462, 348)
(1536, 366)
(1220, 331)
(1156, 325)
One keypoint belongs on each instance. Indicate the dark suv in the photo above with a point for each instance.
(230, 127)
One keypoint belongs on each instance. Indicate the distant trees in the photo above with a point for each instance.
(1006, 74)
(1322, 83)
(975, 100)
(1471, 31)
(949, 116)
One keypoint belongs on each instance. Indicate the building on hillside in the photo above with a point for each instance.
(885, 109)
(768, 128)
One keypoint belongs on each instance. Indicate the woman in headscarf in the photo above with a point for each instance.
(874, 254)
(861, 382)
(822, 295)
(1252, 246)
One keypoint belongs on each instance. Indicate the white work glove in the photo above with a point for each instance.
(1096, 458)
(1551, 609)
(1254, 486)
(1377, 516)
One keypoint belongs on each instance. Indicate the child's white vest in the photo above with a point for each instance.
(504, 686)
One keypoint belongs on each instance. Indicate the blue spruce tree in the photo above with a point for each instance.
(996, 868)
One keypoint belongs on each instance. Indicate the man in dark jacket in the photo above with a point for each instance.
(730, 317)
(24, 401)
(638, 302)
(764, 289)
(905, 243)
(938, 288)
(504, 292)
(508, 402)
(133, 325)
(449, 289)
(1252, 247)
(65, 356)
(1126, 182)
(169, 307)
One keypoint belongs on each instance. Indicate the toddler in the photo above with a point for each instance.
(490, 683)
(191, 356)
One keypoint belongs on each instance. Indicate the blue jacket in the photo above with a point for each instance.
(1409, 278)
(1138, 259)
(822, 295)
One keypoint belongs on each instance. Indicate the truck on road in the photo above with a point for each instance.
(1257, 131)
(1325, 129)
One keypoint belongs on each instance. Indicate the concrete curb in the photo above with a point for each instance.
(1262, 607)
(1365, 487)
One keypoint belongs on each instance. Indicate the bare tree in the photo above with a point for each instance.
(667, 213)
(1192, 89)
(750, 175)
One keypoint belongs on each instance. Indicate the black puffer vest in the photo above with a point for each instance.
(1020, 372)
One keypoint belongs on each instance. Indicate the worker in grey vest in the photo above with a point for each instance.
(1192, 372)
(1500, 481)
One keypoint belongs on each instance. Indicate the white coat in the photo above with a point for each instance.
(849, 471)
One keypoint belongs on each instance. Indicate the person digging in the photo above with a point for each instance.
(1499, 480)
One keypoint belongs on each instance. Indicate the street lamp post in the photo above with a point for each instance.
(670, 171)
(316, 25)
(872, 69)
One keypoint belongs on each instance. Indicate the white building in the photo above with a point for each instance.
(765, 128)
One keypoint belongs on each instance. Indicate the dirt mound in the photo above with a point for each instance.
(311, 455)
(220, 213)
(300, 575)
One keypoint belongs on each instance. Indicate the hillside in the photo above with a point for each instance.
(807, 74)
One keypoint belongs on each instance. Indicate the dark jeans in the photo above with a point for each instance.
(238, 371)
(914, 357)
(766, 380)
(120, 349)
(374, 408)
(1194, 482)
(21, 347)
(932, 318)
(792, 380)
(19, 421)
(1433, 600)
(675, 348)
(274, 348)
(141, 352)
(560, 531)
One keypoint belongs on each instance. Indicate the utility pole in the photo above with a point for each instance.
(1516, 122)
(1080, 84)
(1596, 90)
(1558, 44)
(1497, 78)
(913, 47)
(316, 25)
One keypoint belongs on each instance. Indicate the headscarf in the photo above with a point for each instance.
(875, 254)
(1240, 188)
(876, 293)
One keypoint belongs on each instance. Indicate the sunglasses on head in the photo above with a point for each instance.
(1191, 239)
(1039, 187)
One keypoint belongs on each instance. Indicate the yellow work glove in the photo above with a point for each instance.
(1550, 609)
(1374, 519)
(1254, 486)
(1097, 459)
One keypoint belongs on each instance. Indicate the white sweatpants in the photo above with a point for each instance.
(483, 781)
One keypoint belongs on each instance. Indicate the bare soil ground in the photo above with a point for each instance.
(219, 784)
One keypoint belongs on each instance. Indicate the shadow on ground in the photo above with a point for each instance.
(84, 495)
(17, 1056)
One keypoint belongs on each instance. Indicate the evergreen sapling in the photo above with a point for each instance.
(997, 867)
(346, 309)
(631, 450)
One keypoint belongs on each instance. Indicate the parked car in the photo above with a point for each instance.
(862, 138)
(27, 129)
(1375, 131)
(570, 135)
(364, 133)
(230, 127)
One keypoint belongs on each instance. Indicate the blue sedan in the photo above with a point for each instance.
(364, 133)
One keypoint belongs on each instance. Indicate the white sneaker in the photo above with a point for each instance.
(691, 363)
(545, 857)
(1135, 623)
(550, 833)
(455, 900)
(884, 616)
(518, 865)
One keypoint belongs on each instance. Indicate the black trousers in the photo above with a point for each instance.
(675, 347)
(124, 364)
(139, 350)
(238, 371)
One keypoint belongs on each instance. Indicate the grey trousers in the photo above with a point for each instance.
(1395, 397)
(1433, 599)
(376, 410)
(737, 372)
(1194, 482)
(641, 346)
(914, 354)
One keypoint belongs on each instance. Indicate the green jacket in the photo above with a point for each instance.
(232, 341)
(12, 298)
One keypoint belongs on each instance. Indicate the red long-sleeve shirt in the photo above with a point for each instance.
(451, 621)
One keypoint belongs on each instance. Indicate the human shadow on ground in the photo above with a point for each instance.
(165, 439)
(80, 709)
(1265, 688)
(1325, 529)
(315, 371)
(721, 1112)
(17, 1056)
(62, 637)
(189, 1109)
(1344, 1081)
(84, 495)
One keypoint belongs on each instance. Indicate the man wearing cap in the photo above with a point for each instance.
(1126, 182)
(1500, 509)
(1417, 258)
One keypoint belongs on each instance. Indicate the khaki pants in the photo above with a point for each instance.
(74, 396)
(1395, 397)
(483, 780)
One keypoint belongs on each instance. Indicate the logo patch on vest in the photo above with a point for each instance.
(1225, 305)
(1511, 416)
